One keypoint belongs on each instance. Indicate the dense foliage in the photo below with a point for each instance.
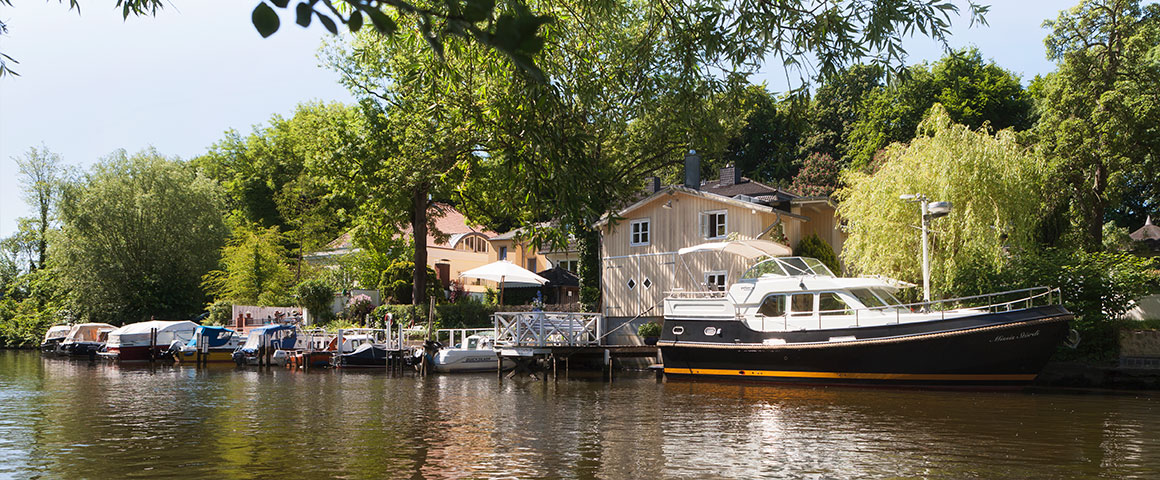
(138, 232)
(253, 268)
(814, 247)
(996, 187)
(316, 297)
(396, 287)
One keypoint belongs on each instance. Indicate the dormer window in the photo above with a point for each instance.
(714, 224)
(639, 232)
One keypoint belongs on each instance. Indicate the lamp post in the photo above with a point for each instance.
(930, 211)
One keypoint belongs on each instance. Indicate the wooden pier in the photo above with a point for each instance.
(540, 341)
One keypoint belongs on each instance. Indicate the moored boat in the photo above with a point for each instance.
(53, 338)
(474, 352)
(145, 341)
(269, 344)
(85, 339)
(219, 345)
(790, 319)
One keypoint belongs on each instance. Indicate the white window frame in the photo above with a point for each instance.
(705, 227)
(633, 239)
(723, 274)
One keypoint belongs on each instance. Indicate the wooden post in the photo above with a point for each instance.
(152, 344)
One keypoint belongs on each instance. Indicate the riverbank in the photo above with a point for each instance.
(1111, 377)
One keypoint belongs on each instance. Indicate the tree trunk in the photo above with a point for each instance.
(419, 233)
(1095, 221)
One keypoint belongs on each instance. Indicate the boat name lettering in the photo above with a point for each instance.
(1021, 336)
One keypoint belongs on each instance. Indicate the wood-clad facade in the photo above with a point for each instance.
(638, 249)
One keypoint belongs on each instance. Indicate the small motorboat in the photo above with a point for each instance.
(218, 347)
(270, 344)
(475, 352)
(366, 355)
(53, 339)
(86, 339)
(146, 341)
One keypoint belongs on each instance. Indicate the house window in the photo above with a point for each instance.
(715, 280)
(714, 224)
(569, 265)
(532, 264)
(503, 253)
(640, 233)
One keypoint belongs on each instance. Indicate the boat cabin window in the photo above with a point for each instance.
(772, 306)
(829, 303)
(867, 297)
(472, 343)
(801, 304)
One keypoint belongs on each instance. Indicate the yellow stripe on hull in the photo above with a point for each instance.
(214, 357)
(856, 376)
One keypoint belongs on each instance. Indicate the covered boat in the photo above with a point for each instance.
(54, 337)
(85, 339)
(366, 355)
(144, 341)
(216, 344)
(791, 320)
(270, 341)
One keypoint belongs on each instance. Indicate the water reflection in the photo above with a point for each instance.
(62, 419)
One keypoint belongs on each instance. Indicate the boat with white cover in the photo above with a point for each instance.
(53, 338)
(790, 319)
(144, 341)
(85, 339)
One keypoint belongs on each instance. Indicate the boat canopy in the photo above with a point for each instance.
(745, 248)
(279, 337)
(57, 331)
(139, 333)
(789, 267)
(214, 336)
(88, 332)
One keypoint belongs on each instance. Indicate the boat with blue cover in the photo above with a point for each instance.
(271, 342)
(217, 345)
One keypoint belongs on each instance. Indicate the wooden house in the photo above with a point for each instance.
(639, 243)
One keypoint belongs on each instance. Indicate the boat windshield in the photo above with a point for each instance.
(788, 266)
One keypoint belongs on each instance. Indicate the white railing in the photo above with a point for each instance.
(547, 329)
(937, 309)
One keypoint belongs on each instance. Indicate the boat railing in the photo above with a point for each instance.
(547, 329)
(460, 335)
(990, 303)
(696, 294)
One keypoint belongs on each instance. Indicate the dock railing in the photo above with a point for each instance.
(547, 329)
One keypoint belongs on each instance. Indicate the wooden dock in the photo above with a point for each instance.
(540, 341)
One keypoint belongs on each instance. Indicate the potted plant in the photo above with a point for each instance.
(649, 332)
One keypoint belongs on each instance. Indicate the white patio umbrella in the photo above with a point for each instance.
(503, 272)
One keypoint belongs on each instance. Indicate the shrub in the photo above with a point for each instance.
(315, 296)
(813, 246)
(397, 283)
(466, 313)
(359, 306)
(650, 329)
(220, 313)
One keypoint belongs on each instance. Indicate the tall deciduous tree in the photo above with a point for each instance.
(1100, 112)
(137, 234)
(995, 185)
(971, 90)
(766, 149)
(39, 179)
(253, 268)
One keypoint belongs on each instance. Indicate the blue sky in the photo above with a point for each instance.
(93, 83)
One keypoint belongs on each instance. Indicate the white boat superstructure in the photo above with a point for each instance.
(799, 293)
(468, 350)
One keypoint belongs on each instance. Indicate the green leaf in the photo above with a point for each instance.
(265, 20)
(384, 24)
(355, 22)
(304, 12)
(280, 3)
(328, 23)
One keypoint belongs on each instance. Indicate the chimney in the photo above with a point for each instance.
(652, 185)
(730, 176)
(693, 170)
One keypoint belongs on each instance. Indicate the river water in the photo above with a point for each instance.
(72, 419)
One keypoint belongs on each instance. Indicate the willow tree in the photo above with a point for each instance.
(995, 185)
(254, 268)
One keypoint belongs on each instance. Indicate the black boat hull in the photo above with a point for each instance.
(995, 350)
(375, 356)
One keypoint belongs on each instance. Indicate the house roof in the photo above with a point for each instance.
(1147, 232)
(452, 223)
(675, 189)
(747, 187)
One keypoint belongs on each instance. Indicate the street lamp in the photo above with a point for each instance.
(930, 211)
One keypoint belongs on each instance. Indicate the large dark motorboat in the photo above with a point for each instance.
(790, 319)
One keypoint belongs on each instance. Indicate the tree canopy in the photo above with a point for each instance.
(137, 234)
(996, 187)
